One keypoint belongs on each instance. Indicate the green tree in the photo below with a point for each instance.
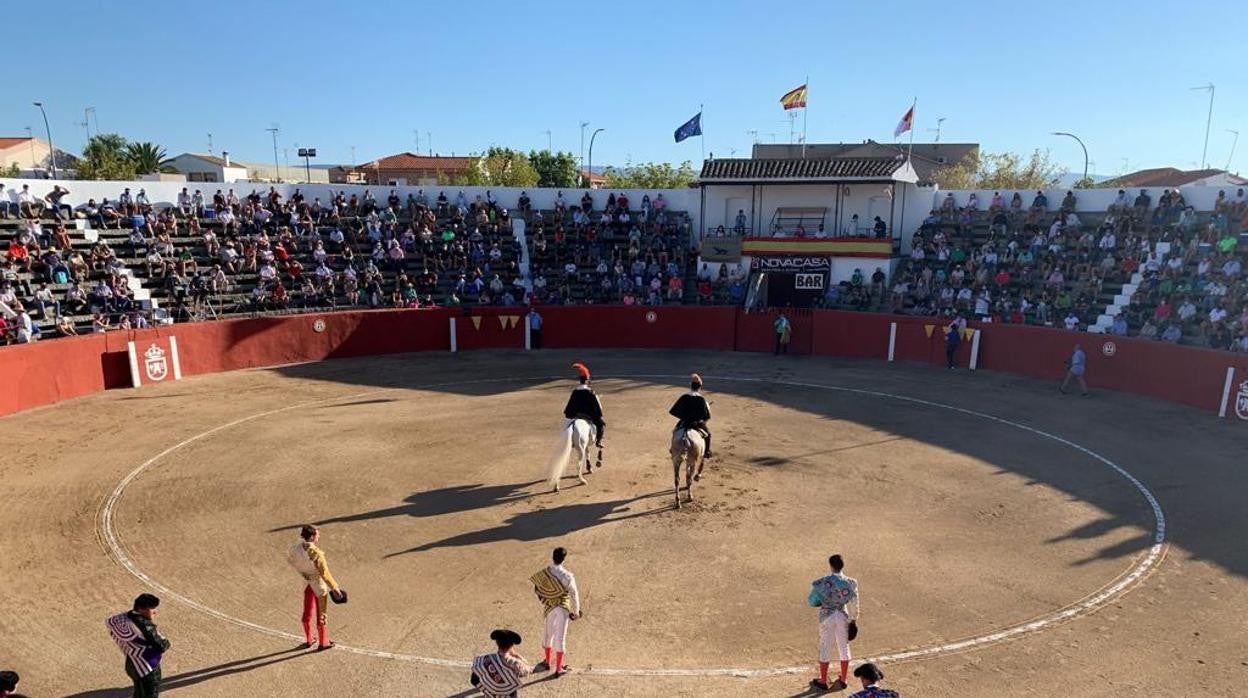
(148, 158)
(13, 170)
(1000, 171)
(651, 175)
(554, 169)
(106, 157)
(504, 167)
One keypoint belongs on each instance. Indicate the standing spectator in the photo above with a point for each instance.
(836, 597)
(1076, 366)
(498, 675)
(953, 339)
(783, 329)
(556, 588)
(870, 675)
(309, 561)
(535, 328)
(879, 227)
(143, 646)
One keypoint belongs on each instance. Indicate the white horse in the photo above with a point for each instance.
(688, 447)
(577, 435)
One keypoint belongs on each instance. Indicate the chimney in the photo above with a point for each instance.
(226, 154)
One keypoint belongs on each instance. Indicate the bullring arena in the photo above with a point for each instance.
(1008, 540)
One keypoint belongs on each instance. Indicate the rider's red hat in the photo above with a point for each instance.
(581, 370)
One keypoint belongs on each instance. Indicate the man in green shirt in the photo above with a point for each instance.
(783, 330)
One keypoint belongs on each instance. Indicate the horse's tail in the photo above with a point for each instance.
(559, 459)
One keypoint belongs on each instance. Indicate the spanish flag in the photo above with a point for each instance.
(794, 99)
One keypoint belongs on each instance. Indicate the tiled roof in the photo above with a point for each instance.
(412, 161)
(1161, 177)
(6, 143)
(747, 169)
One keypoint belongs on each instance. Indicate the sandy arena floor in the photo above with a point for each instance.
(423, 471)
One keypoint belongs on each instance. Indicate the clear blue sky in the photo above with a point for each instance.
(336, 75)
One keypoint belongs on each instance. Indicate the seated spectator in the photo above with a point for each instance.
(1068, 202)
(27, 205)
(65, 327)
(1172, 333)
(880, 228)
(1040, 202)
(1121, 204)
(55, 201)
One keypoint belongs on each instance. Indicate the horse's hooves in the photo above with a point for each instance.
(697, 477)
(583, 481)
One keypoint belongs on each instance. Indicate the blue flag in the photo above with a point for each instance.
(692, 127)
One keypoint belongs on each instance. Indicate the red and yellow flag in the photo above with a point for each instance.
(794, 99)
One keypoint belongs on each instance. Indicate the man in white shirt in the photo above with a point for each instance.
(561, 599)
(27, 204)
(1071, 322)
(25, 326)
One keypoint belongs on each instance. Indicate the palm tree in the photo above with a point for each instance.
(148, 157)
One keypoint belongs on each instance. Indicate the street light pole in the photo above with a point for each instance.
(1081, 145)
(51, 147)
(1204, 154)
(589, 184)
(277, 169)
(581, 164)
(30, 136)
(307, 154)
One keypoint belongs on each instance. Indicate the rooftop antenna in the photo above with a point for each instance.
(1204, 155)
(210, 144)
(940, 121)
(1234, 143)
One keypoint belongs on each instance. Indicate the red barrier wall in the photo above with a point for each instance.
(46, 372)
(664, 327)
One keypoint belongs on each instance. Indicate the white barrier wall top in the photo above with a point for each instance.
(1088, 200)
(80, 191)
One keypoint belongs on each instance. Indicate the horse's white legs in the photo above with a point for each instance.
(582, 457)
(677, 458)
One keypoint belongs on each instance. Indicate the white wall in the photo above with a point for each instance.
(1087, 200)
(859, 200)
(167, 192)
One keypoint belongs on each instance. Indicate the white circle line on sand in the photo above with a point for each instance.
(1137, 572)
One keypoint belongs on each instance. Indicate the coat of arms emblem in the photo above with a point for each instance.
(155, 362)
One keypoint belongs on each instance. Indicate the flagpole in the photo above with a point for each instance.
(804, 110)
(910, 148)
(701, 133)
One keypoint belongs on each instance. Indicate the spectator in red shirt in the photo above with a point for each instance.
(675, 288)
(704, 291)
(1163, 311)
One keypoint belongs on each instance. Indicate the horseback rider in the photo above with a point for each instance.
(583, 403)
(693, 411)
